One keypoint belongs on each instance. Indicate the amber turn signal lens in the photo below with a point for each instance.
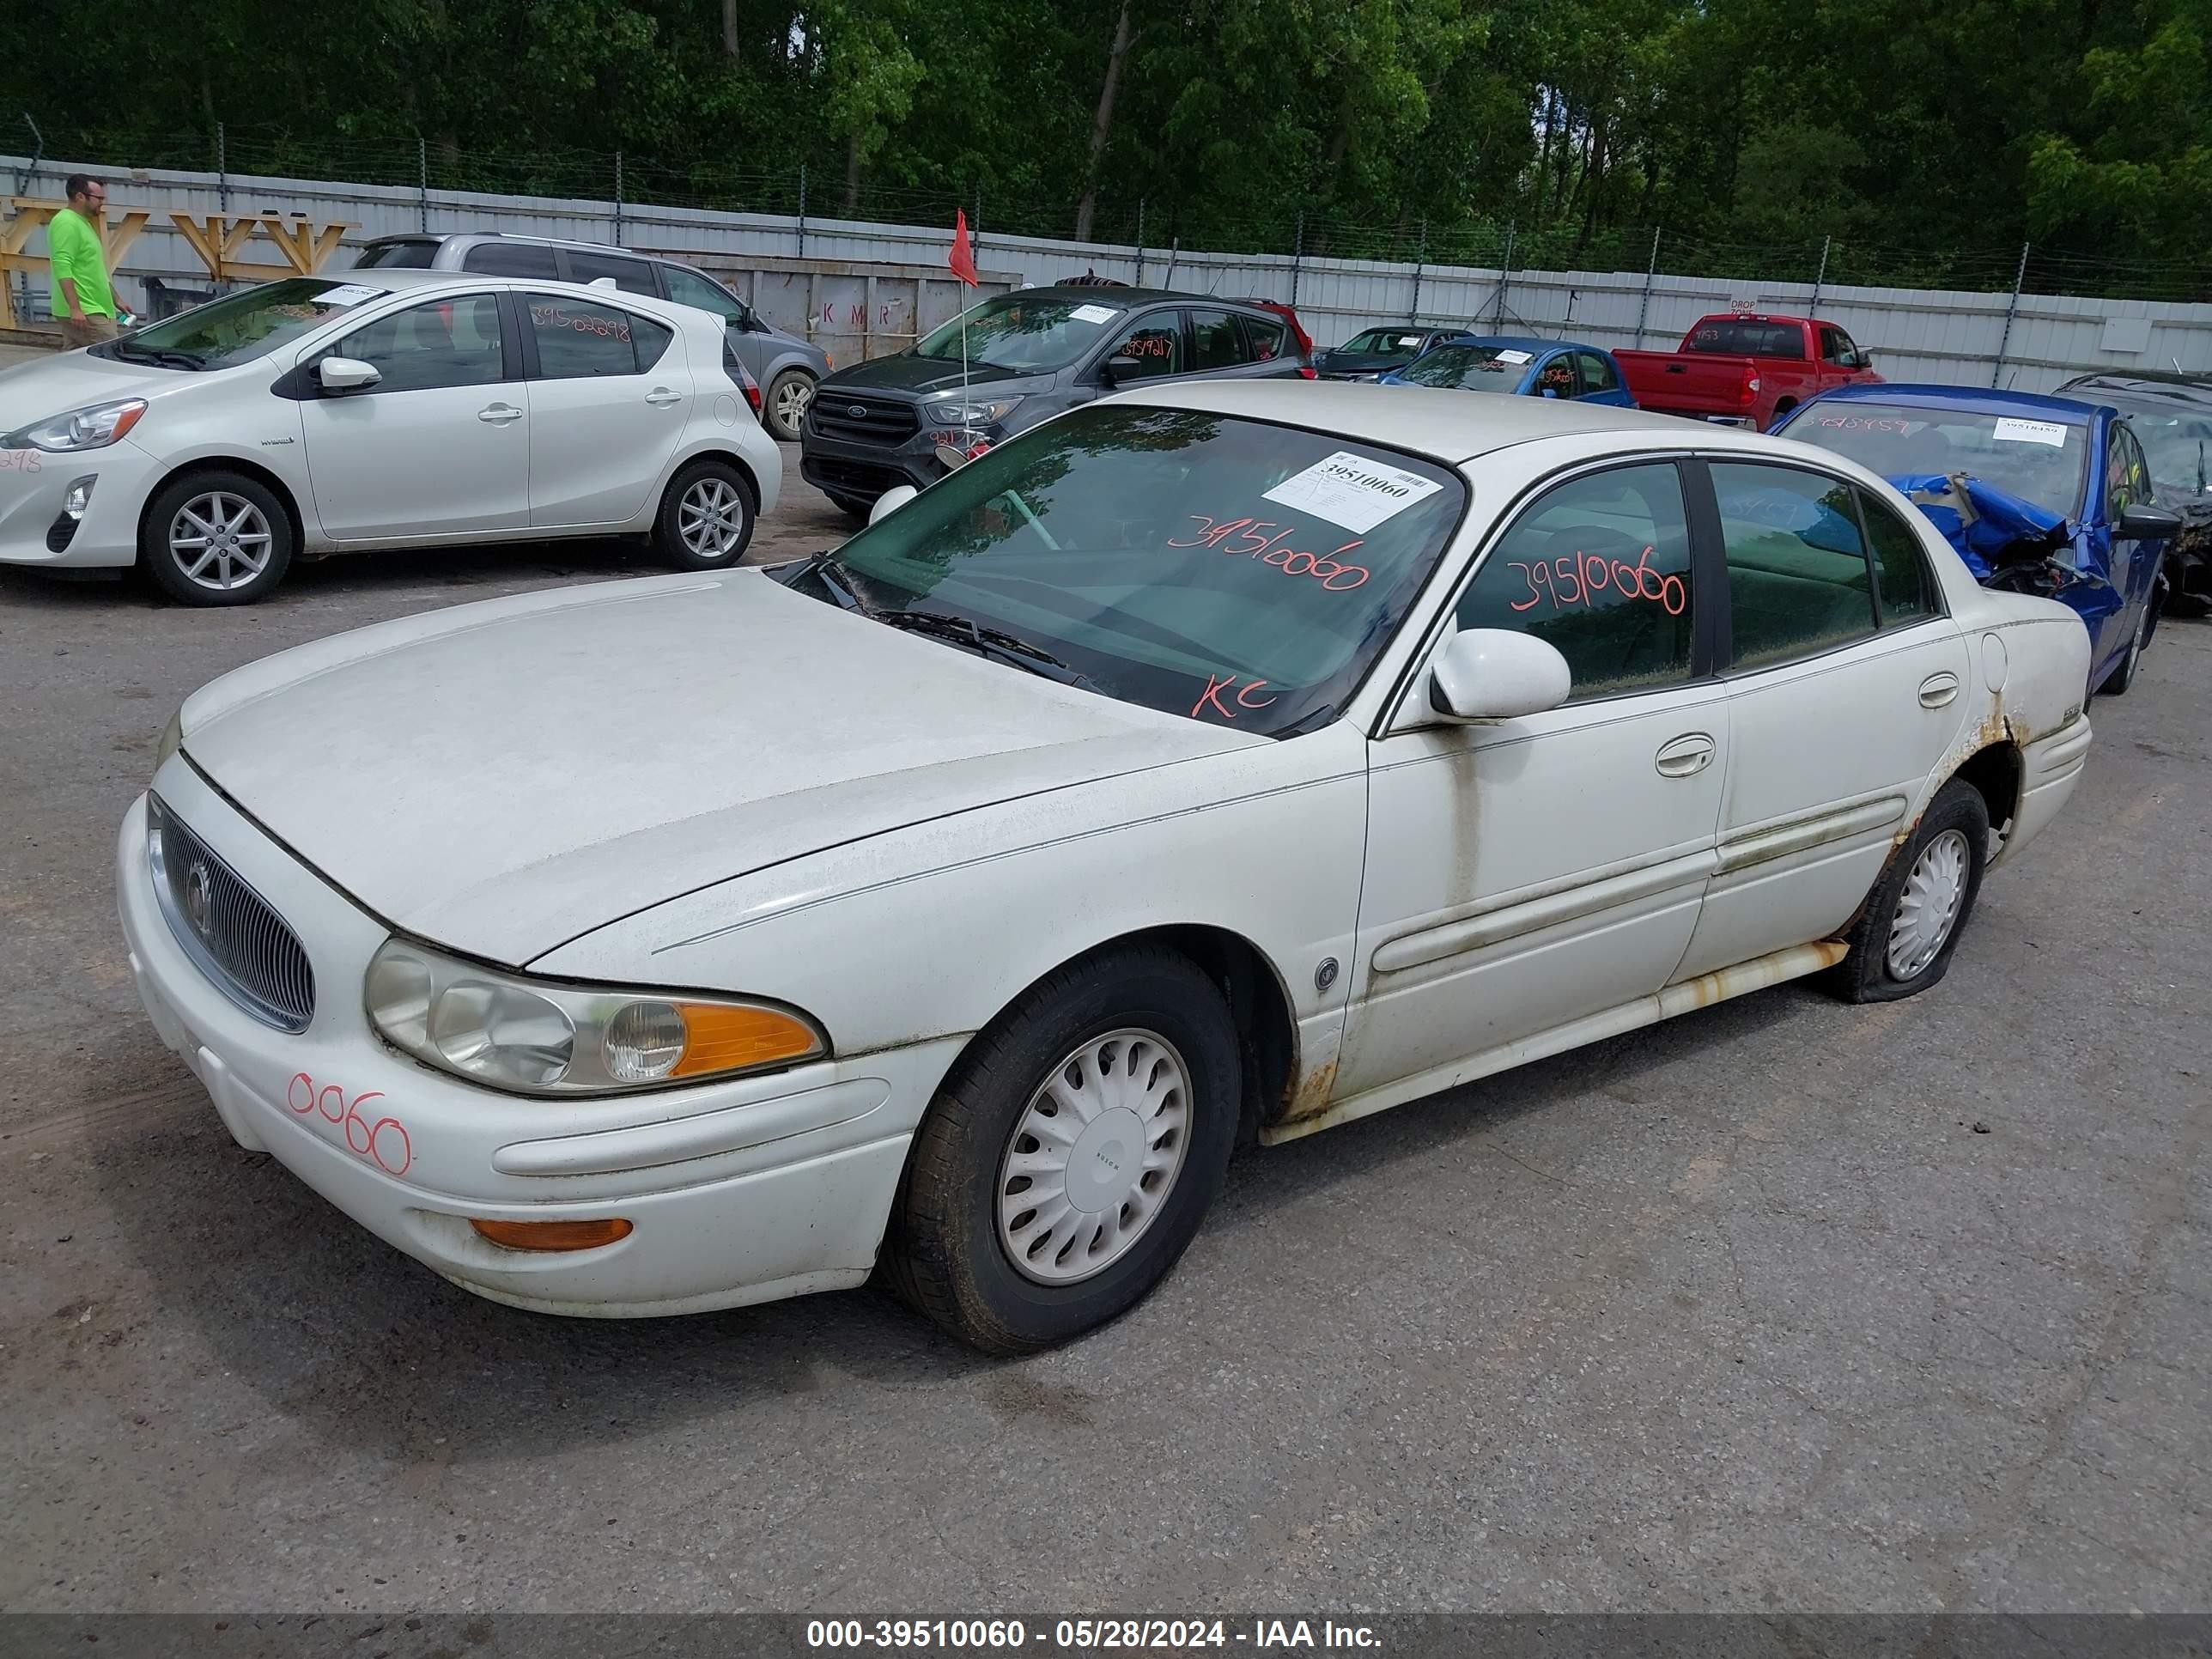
(721, 1038)
(554, 1235)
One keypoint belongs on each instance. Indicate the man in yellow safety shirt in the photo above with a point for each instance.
(83, 299)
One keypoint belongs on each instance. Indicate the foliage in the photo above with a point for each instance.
(1362, 126)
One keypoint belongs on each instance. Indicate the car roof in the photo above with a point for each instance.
(1449, 425)
(395, 278)
(1090, 294)
(2035, 404)
(1528, 343)
(442, 237)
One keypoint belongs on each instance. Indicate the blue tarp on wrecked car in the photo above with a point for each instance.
(1986, 525)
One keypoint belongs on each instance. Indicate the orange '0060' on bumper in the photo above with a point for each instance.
(736, 1192)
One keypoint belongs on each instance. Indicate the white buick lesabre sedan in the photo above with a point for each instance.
(1244, 756)
(322, 415)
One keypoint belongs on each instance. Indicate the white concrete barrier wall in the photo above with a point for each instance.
(1916, 334)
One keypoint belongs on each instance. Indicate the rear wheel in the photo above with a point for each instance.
(707, 517)
(1903, 942)
(1072, 1154)
(216, 538)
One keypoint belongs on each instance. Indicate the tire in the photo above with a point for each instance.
(1118, 1022)
(783, 411)
(853, 507)
(707, 517)
(216, 524)
(1886, 962)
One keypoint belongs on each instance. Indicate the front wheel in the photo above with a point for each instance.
(1904, 937)
(789, 397)
(2118, 682)
(1071, 1155)
(706, 520)
(216, 538)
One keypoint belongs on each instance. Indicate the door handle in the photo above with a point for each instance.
(661, 397)
(1938, 689)
(499, 414)
(1686, 757)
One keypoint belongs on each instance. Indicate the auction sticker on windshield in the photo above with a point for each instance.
(1514, 356)
(1093, 314)
(2010, 431)
(352, 294)
(1351, 490)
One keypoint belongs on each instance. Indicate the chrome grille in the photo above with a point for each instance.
(230, 931)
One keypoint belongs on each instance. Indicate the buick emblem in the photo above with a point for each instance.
(858, 411)
(199, 896)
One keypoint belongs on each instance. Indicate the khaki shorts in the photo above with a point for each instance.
(91, 331)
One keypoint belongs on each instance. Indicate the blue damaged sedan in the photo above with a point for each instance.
(2040, 495)
(1522, 368)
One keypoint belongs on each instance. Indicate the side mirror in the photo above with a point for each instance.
(1111, 371)
(1495, 674)
(2146, 524)
(346, 374)
(890, 501)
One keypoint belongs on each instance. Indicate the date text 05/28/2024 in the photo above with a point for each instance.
(1088, 1634)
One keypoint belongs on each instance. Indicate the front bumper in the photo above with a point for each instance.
(33, 486)
(737, 1192)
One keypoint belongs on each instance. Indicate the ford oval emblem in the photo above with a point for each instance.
(199, 896)
(858, 411)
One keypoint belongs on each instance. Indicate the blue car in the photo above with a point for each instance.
(2049, 495)
(1525, 367)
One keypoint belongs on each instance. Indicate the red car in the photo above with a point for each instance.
(1745, 368)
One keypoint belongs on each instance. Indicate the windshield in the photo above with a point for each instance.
(1469, 367)
(1200, 564)
(2178, 442)
(2039, 461)
(1024, 333)
(238, 327)
(1381, 343)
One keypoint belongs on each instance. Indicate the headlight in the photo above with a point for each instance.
(173, 739)
(959, 413)
(81, 428)
(529, 1037)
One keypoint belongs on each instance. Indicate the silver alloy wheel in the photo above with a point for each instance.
(1094, 1157)
(711, 518)
(220, 541)
(790, 401)
(1928, 909)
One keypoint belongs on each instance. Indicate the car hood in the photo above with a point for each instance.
(918, 375)
(501, 778)
(52, 385)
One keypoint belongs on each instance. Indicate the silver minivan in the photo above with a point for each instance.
(787, 369)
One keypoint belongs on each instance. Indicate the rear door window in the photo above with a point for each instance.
(1595, 374)
(1799, 582)
(1215, 340)
(397, 256)
(1902, 578)
(512, 259)
(579, 340)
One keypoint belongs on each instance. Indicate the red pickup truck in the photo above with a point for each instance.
(1745, 368)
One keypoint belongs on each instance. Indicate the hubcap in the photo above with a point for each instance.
(792, 398)
(711, 518)
(1094, 1157)
(1929, 908)
(220, 541)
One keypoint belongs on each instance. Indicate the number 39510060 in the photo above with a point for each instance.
(1579, 578)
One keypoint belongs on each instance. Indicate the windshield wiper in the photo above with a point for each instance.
(991, 642)
(826, 568)
(167, 359)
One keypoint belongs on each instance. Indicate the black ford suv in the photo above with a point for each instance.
(1030, 354)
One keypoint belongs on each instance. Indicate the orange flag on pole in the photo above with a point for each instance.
(963, 257)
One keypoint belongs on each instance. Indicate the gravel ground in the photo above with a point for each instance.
(1784, 1304)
